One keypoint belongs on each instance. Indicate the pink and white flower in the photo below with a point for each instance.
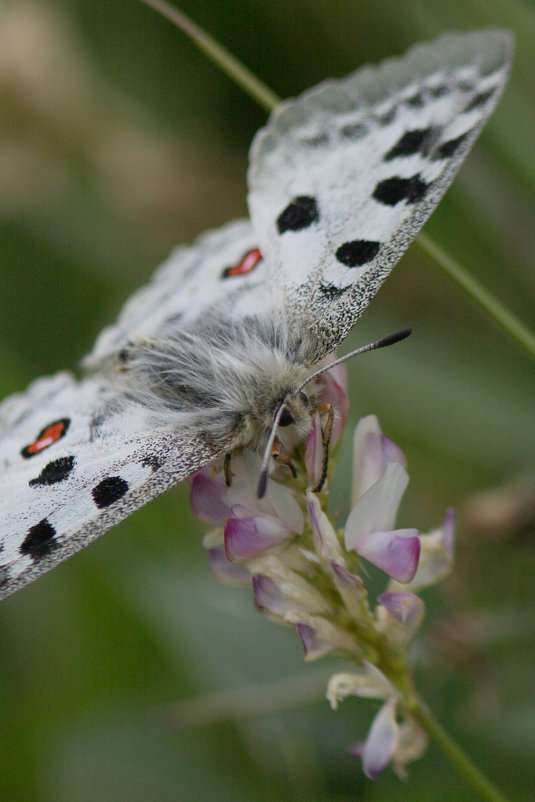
(379, 481)
(393, 737)
(307, 574)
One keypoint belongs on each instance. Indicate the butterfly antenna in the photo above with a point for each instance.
(390, 340)
(264, 468)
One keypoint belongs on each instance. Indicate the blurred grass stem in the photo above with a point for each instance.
(218, 54)
(455, 754)
(479, 295)
(246, 701)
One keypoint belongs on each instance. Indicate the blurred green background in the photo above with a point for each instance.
(119, 140)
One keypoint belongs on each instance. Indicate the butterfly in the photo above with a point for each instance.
(218, 351)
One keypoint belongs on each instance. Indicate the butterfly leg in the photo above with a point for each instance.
(227, 469)
(325, 409)
(281, 458)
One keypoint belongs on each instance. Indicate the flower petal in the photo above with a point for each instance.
(353, 594)
(269, 596)
(381, 741)
(351, 580)
(412, 742)
(369, 684)
(372, 453)
(291, 586)
(334, 392)
(376, 510)
(314, 452)
(406, 608)
(313, 646)
(208, 499)
(436, 556)
(249, 537)
(325, 539)
(320, 636)
(225, 571)
(278, 500)
(396, 553)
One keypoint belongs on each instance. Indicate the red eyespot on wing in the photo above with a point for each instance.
(247, 263)
(47, 437)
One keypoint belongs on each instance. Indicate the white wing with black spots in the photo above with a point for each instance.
(74, 461)
(342, 178)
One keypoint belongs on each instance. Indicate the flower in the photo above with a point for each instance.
(394, 736)
(436, 556)
(379, 481)
(307, 574)
(252, 525)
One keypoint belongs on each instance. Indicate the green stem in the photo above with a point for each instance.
(455, 754)
(478, 293)
(218, 54)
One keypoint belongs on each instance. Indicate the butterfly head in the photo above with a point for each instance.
(281, 411)
(295, 410)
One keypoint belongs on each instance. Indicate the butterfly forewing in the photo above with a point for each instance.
(342, 178)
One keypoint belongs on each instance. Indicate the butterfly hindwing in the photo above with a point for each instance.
(193, 279)
(74, 461)
(342, 178)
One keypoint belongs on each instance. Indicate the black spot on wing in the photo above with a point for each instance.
(416, 101)
(447, 149)
(466, 86)
(40, 540)
(480, 99)
(358, 252)
(108, 491)
(353, 131)
(439, 91)
(416, 141)
(393, 190)
(151, 461)
(54, 472)
(318, 141)
(388, 117)
(299, 214)
(332, 293)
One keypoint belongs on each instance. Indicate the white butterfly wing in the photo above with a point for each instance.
(78, 457)
(74, 462)
(221, 262)
(342, 178)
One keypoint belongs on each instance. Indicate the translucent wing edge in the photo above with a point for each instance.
(179, 267)
(372, 83)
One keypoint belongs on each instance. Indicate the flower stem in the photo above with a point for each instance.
(479, 294)
(464, 765)
(218, 54)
